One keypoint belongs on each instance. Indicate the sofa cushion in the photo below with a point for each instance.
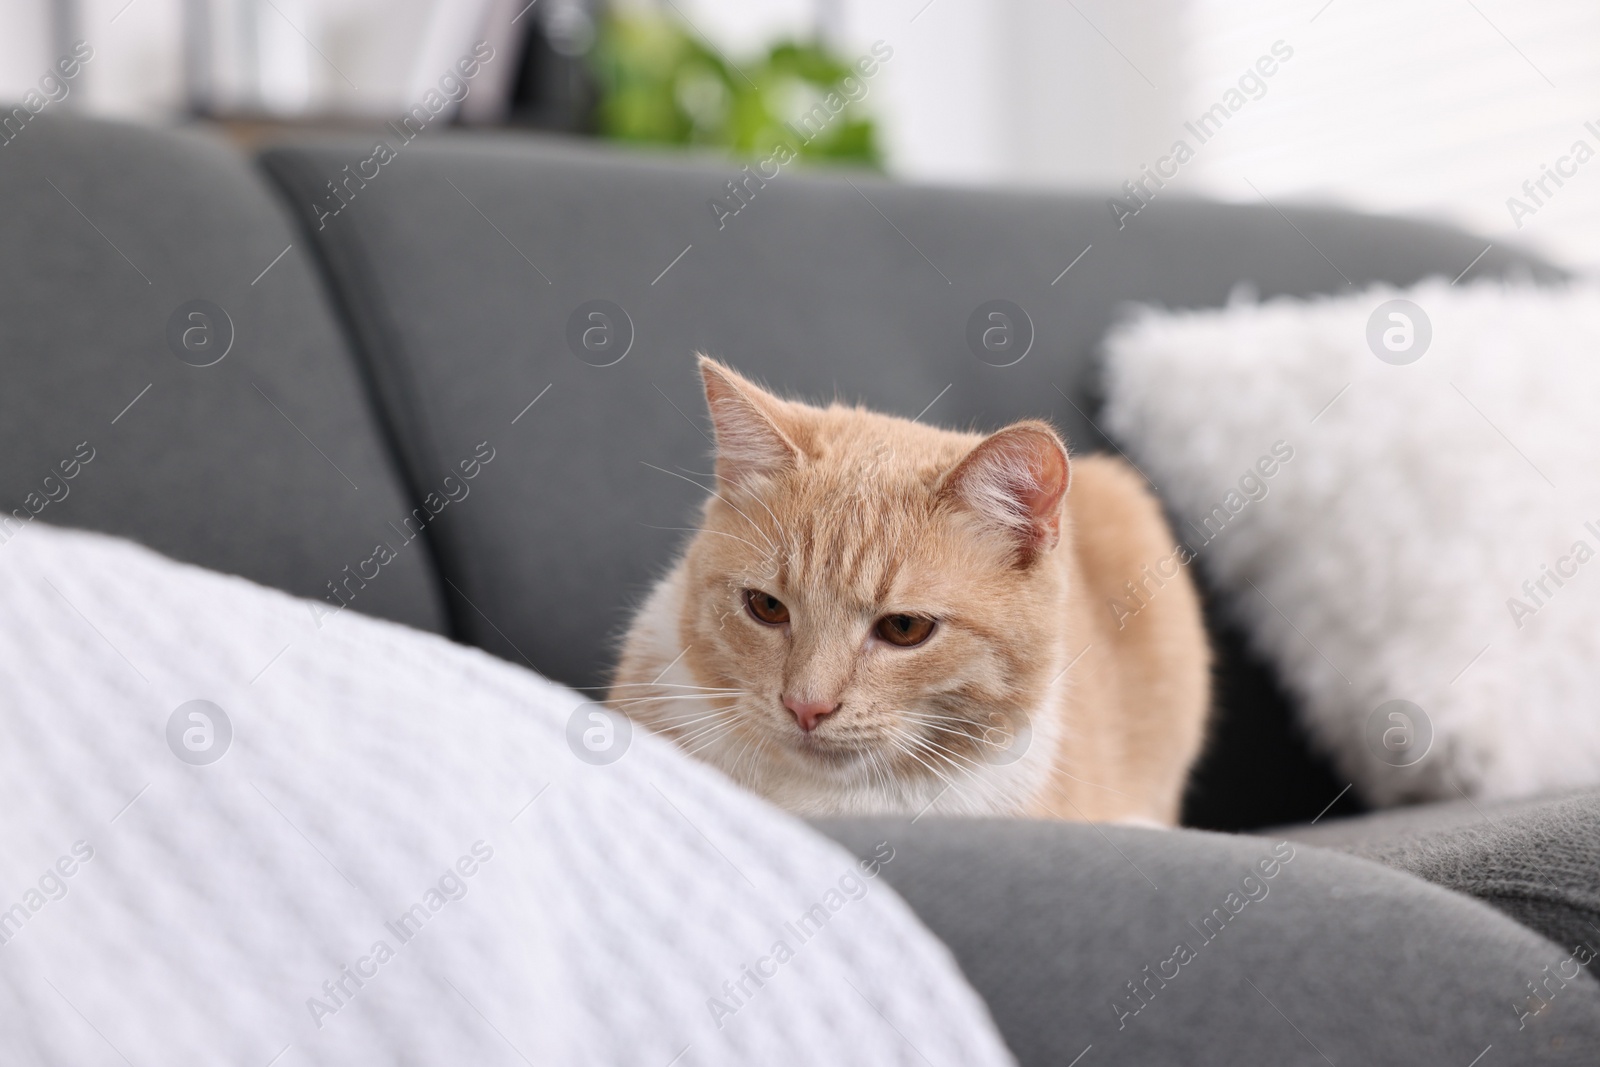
(1389, 553)
(1296, 954)
(1536, 860)
(267, 463)
(469, 267)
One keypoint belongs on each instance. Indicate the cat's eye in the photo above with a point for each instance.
(765, 607)
(904, 630)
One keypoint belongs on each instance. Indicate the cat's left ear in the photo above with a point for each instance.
(1016, 480)
(751, 442)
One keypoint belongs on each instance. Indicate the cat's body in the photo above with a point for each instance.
(879, 616)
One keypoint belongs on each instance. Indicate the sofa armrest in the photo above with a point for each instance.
(1536, 860)
(1177, 946)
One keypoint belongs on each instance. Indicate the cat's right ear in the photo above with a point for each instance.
(746, 419)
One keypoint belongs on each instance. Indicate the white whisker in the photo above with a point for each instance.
(931, 769)
(710, 735)
(1057, 767)
(672, 685)
(677, 727)
(720, 497)
(690, 737)
(694, 530)
(949, 755)
(667, 698)
(686, 731)
(755, 748)
(776, 524)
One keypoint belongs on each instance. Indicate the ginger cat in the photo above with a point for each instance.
(881, 617)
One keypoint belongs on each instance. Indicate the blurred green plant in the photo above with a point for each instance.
(659, 83)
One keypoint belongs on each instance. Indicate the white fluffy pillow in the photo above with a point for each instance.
(1386, 559)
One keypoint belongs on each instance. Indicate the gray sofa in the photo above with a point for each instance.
(375, 328)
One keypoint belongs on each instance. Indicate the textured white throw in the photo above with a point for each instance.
(383, 787)
(1433, 539)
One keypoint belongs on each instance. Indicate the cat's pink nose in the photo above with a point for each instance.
(809, 712)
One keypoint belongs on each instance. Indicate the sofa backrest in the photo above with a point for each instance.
(268, 462)
(469, 266)
(458, 269)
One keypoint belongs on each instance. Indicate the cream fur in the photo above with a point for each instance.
(1028, 698)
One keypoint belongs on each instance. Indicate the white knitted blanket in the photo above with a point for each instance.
(398, 858)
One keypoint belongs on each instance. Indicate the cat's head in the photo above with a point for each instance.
(884, 597)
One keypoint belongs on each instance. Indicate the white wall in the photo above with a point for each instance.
(1090, 88)
(1432, 107)
(1039, 92)
(24, 46)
